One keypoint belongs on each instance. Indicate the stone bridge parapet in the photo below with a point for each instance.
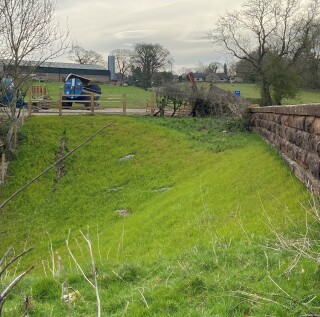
(295, 132)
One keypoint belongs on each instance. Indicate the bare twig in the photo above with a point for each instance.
(14, 283)
(16, 280)
(117, 275)
(257, 297)
(143, 298)
(5, 257)
(12, 260)
(76, 262)
(279, 287)
(94, 284)
(51, 256)
(94, 271)
(126, 308)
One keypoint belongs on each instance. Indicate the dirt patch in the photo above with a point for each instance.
(60, 167)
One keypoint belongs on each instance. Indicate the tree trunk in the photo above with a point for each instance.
(266, 99)
(10, 137)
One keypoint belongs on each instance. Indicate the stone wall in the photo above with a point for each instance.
(295, 132)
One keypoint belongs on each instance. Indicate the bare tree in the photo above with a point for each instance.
(261, 26)
(82, 56)
(123, 59)
(149, 58)
(213, 67)
(28, 37)
(200, 67)
(308, 64)
(210, 68)
(171, 95)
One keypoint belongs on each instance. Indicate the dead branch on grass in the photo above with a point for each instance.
(16, 280)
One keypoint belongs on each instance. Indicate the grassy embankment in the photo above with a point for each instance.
(198, 199)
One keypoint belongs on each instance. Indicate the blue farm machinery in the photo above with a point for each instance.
(79, 89)
(7, 92)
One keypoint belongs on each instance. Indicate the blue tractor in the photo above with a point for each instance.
(7, 93)
(78, 88)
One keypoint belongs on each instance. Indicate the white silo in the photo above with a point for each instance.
(112, 67)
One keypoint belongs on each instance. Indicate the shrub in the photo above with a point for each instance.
(46, 289)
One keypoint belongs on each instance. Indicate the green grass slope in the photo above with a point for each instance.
(198, 196)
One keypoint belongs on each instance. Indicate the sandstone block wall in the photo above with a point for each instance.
(295, 132)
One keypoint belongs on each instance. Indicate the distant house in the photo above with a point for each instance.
(223, 78)
(56, 71)
(217, 78)
(203, 77)
(175, 78)
(199, 76)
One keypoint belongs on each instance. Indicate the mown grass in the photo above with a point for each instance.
(199, 194)
(136, 97)
(247, 91)
(111, 94)
(252, 91)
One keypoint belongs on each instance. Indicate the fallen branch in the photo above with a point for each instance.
(13, 284)
(16, 280)
(12, 260)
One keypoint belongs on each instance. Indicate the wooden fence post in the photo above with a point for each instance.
(153, 103)
(92, 103)
(60, 104)
(29, 103)
(3, 164)
(124, 103)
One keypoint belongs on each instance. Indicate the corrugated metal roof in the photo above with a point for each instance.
(72, 65)
(59, 65)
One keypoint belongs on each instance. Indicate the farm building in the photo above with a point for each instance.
(56, 71)
(199, 76)
(218, 78)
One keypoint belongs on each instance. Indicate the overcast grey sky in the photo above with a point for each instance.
(178, 25)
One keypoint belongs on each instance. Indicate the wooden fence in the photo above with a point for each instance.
(111, 104)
